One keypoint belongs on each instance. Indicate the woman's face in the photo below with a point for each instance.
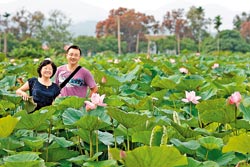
(73, 56)
(47, 71)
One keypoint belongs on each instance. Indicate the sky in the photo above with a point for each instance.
(155, 4)
(227, 9)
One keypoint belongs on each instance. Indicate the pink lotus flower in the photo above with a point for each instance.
(216, 65)
(122, 154)
(96, 100)
(116, 61)
(183, 70)
(235, 98)
(45, 47)
(104, 79)
(172, 61)
(191, 97)
(90, 106)
(137, 60)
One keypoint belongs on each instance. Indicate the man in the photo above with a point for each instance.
(78, 85)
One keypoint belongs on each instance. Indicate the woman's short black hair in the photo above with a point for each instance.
(44, 63)
(74, 47)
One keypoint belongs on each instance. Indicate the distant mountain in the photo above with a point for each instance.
(86, 28)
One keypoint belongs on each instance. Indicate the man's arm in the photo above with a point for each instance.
(93, 90)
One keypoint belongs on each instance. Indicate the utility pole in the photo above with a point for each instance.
(6, 15)
(118, 34)
(137, 43)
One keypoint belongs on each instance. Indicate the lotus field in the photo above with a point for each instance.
(157, 111)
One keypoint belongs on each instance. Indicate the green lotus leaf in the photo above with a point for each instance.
(226, 158)
(83, 158)
(10, 143)
(57, 154)
(111, 81)
(7, 125)
(71, 115)
(36, 120)
(61, 141)
(164, 83)
(106, 163)
(210, 164)
(91, 123)
(154, 156)
(246, 112)
(216, 110)
(142, 137)
(211, 142)
(6, 105)
(33, 142)
(190, 83)
(129, 120)
(241, 124)
(114, 100)
(238, 144)
(186, 132)
(69, 101)
(7, 82)
(188, 147)
(128, 77)
(191, 163)
(24, 159)
(29, 105)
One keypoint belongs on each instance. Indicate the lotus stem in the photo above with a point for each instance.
(235, 115)
(96, 142)
(127, 141)
(90, 144)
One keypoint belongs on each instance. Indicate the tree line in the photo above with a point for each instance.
(125, 30)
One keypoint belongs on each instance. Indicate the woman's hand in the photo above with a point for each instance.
(25, 96)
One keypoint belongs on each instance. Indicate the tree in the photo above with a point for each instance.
(5, 23)
(131, 24)
(245, 31)
(239, 19)
(26, 24)
(230, 40)
(87, 44)
(56, 33)
(175, 23)
(198, 24)
(217, 24)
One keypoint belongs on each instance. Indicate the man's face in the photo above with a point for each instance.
(73, 56)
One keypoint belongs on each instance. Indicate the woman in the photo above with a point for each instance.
(43, 90)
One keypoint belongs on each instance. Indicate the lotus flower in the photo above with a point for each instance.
(96, 100)
(137, 60)
(104, 79)
(45, 47)
(122, 154)
(191, 97)
(172, 61)
(235, 98)
(90, 106)
(216, 65)
(183, 70)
